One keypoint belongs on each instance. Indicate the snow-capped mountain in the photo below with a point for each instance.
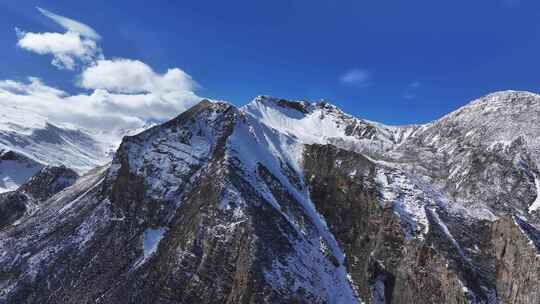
(294, 202)
(37, 142)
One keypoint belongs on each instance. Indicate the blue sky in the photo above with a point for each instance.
(397, 62)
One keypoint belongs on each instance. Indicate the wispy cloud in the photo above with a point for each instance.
(415, 84)
(409, 96)
(71, 25)
(411, 90)
(356, 77)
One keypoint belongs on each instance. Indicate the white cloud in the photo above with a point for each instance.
(71, 25)
(358, 77)
(67, 48)
(134, 88)
(134, 76)
(88, 111)
(33, 87)
(99, 110)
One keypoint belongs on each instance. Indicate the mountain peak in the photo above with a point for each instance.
(506, 98)
(506, 93)
(298, 105)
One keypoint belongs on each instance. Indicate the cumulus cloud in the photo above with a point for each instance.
(77, 44)
(357, 77)
(98, 110)
(134, 88)
(134, 76)
(66, 49)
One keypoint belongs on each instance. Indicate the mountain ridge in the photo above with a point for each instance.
(242, 205)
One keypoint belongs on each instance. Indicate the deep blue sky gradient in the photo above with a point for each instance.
(454, 50)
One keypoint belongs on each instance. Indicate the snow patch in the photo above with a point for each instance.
(408, 200)
(151, 239)
(536, 204)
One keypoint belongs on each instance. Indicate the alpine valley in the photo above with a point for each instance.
(277, 201)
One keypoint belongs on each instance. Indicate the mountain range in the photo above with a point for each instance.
(277, 201)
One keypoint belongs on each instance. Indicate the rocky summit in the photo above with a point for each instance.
(284, 201)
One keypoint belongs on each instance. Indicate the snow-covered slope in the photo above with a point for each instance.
(499, 117)
(323, 123)
(485, 155)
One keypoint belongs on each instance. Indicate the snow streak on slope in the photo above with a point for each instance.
(536, 204)
(408, 200)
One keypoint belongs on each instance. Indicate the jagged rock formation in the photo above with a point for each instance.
(291, 202)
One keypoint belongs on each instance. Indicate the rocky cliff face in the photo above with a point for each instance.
(288, 202)
(516, 245)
